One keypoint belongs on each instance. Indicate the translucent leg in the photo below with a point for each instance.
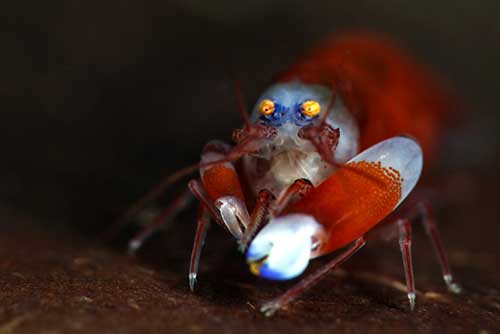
(259, 214)
(112, 231)
(429, 223)
(267, 204)
(199, 240)
(177, 205)
(230, 212)
(299, 187)
(207, 209)
(404, 228)
(272, 306)
(250, 139)
(197, 189)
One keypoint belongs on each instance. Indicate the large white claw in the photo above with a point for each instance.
(282, 249)
(401, 153)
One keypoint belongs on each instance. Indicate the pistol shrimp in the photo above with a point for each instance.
(329, 151)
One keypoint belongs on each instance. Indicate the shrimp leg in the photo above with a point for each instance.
(404, 228)
(428, 220)
(274, 305)
(163, 218)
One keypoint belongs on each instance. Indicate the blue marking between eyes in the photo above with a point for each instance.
(284, 114)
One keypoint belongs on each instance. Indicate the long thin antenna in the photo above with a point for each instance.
(159, 189)
(241, 104)
(329, 108)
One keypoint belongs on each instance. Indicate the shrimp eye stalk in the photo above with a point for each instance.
(310, 108)
(266, 107)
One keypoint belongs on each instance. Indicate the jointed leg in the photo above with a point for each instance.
(198, 191)
(142, 202)
(160, 220)
(299, 187)
(272, 306)
(259, 214)
(267, 205)
(429, 222)
(422, 211)
(207, 209)
(404, 229)
(199, 240)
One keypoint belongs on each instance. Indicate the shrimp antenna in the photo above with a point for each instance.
(329, 108)
(159, 189)
(168, 181)
(241, 104)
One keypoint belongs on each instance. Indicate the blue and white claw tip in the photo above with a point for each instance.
(282, 249)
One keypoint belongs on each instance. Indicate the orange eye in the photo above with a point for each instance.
(310, 108)
(266, 107)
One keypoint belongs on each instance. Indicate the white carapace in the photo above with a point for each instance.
(289, 157)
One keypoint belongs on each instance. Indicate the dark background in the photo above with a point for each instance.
(99, 99)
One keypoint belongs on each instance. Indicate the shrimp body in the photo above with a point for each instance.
(388, 112)
(330, 150)
(380, 93)
(387, 91)
(288, 157)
